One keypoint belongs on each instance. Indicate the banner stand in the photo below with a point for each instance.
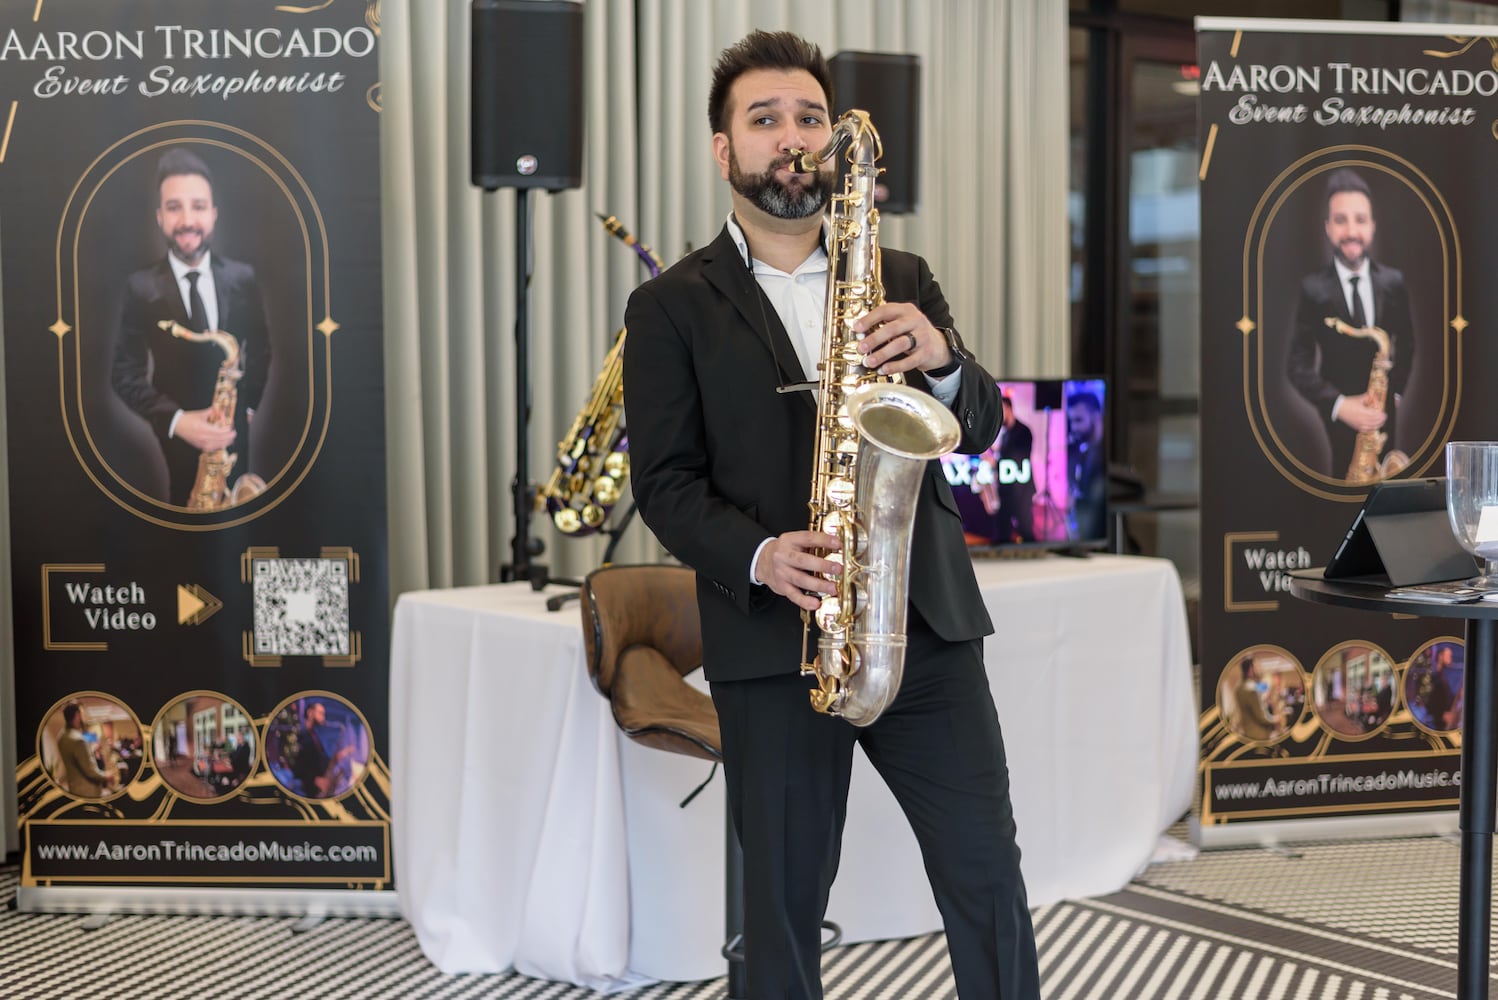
(1275, 832)
(242, 902)
(1346, 320)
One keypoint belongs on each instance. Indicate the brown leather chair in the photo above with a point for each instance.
(642, 637)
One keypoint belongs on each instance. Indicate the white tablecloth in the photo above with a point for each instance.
(529, 833)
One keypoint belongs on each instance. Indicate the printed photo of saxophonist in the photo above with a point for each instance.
(1353, 344)
(191, 353)
(739, 369)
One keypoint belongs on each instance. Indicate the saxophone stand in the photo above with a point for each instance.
(559, 601)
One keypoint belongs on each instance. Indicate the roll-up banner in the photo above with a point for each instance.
(1348, 319)
(190, 258)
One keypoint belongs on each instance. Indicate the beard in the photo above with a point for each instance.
(188, 243)
(1345, 251)
(770, 195)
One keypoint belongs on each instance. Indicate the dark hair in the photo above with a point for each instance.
(178, 161)
(1086, 399)
(1246, 664)
(763, 50)
(1342, 180)
(71, 713)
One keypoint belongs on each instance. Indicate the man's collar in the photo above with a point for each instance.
(742, 243)
(1344, 272)
(180, 269)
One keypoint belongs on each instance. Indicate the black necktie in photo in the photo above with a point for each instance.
(198, 317)
(1359, 317)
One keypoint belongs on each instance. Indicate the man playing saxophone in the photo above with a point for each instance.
(722, 435)
(170, 381)
(1334, 371)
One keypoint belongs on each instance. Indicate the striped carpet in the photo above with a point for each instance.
(1368, 920)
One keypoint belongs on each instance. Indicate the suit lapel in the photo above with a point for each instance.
(170, 293)
(725, 270)
(221, 292)
(1338, 293)
(1380, 293)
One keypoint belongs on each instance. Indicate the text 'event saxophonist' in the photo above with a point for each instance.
(721, 459)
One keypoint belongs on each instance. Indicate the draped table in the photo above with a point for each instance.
(530, 833)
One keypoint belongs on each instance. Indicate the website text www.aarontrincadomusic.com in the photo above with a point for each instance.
(1347, 784)
(145, 851)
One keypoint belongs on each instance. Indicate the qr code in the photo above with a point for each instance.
(301, 607)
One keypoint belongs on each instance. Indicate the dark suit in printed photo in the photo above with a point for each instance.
(1332, 364)
(169, 380)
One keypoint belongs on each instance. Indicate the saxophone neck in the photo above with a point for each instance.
(225, 341)
(853, 132)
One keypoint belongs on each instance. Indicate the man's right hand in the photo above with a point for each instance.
(789, 565)
(194, 428)
(1357, 414)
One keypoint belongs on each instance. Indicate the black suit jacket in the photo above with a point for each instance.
(157, 374)
(1324, 364)
(721, 461)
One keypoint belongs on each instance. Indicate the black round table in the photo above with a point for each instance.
(1479, 763)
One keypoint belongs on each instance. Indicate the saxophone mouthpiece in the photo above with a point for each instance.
(802, 161)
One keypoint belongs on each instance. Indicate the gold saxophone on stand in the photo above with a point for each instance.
(593, 456)
(592, 462)
(1366, 465)
(874, 438)
(210, 487)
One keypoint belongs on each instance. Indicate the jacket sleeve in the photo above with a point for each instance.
(128, 373)
(977, 406)
(1302, 367)
(670, 463)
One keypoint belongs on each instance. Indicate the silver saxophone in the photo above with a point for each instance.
(874, 438)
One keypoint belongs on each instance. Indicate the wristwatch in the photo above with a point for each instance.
(959, 353)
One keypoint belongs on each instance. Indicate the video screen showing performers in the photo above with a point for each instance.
(318, 746)
(204, 745)
(90, 746)
(1044, 481)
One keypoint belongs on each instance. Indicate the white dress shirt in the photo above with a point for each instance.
(1364, 275)
(206, 289)
(800, 300)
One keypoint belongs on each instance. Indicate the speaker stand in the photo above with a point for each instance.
(522, 545)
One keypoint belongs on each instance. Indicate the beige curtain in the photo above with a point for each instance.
(992, 222)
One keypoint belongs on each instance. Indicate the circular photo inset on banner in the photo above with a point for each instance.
(1261, 694)
(1433, 685)
(1354, 690)
(90, 745)
(204, 745)
(317, 746)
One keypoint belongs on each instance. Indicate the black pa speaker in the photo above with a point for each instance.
(527, 94)
(888, 86)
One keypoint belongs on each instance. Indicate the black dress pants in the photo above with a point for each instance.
(940, 751)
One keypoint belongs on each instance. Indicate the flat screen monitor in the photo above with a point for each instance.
(1043, 483)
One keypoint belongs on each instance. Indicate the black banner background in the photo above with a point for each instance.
(1280, 111)
(265, 608)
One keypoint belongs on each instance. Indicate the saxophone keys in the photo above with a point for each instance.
(829, 616)
(617, 465)
(593, 515)
(606, 490)
(840, 491)
(567, 521)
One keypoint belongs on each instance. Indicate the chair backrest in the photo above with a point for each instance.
(625, 606)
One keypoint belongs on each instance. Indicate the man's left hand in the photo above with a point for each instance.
(900, 338)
